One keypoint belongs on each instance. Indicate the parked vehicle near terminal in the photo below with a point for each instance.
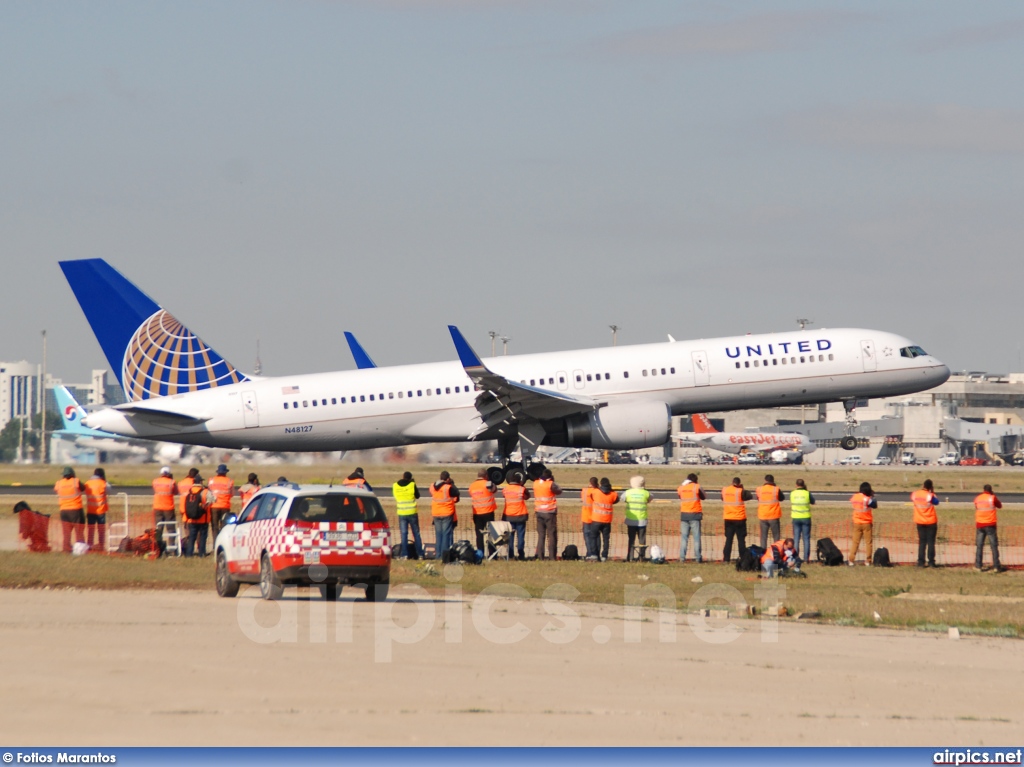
(967, 461)
(948, 459)
(882, 460)
(305, 535)
(909, 459)
(750, 458)
(851, 460)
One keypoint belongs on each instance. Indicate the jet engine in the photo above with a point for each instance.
(614, 427)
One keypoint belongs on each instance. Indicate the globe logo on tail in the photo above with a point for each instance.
(164, 357)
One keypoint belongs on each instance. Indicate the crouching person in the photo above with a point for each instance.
(33, 527)
(779, 557)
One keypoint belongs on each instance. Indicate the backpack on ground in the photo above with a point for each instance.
(881, 558)
(828, 553)
(464, 552)
(194, 506)
(570, 553)
(750, 560)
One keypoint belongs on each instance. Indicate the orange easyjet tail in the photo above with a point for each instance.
(701, 424)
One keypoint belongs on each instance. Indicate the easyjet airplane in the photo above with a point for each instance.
(623, 397)
(744, 442)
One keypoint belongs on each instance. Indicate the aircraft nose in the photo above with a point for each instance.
(938, 375)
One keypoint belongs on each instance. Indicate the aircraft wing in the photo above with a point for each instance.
(502, 400)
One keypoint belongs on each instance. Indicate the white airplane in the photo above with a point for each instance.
(619, 398)
(744, 442)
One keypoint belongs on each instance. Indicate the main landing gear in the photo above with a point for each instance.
(499, 474)
(849, 442)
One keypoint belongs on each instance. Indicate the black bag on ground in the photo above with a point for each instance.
(881, 558)
(570, 553)
(464, 552)
(828, 553)
(750, 560)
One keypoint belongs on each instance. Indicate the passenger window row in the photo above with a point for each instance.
(295, 404)
(785, 360)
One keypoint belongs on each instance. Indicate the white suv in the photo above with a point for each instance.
(306, 535)
(851, 460)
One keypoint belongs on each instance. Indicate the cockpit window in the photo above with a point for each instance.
(336, 507)
(913, 351)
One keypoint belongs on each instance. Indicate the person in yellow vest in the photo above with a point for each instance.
(69, 490)
(925, 501)
(863, 521)
(769, 509)
(800, 502)
(164, 490)
(587, 517)
(691, 514)
(545, 510)
(249, 489)
(196, 505)
(444, 496)
(481, 493)
(406, 494)
(985, 505)
(357, 479)
(636, 500)
(604, 498)
(515, 511)
(96, 508)
(734, 513)
(222, 489)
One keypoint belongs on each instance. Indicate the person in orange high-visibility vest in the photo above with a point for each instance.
(183, 486)
(769, 509)
(164, 490)
(222, 490)
(734, 513)
(587, 517)
(196, 503)
(985, 516)
(545, 510)
(515, 511)
(604, 498)
(444, 495)
(249, 489)
(781, 555)
(925, 501)
(482, 492)
(69, 490)
(96, 508)
(691, 514)
(863, 521)
(357, 479)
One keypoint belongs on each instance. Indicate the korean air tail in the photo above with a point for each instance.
(151, 353)
(73, 414)
(701, 424)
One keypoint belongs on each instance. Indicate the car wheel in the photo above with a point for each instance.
(226, 585)
(270, 586)
(330, 591)
(377, 592)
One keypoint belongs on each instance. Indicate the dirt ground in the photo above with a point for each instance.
(187, 668)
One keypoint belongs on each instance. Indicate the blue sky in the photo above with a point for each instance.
(289, 170)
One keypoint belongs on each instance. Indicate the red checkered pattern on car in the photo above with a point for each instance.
(277, 539)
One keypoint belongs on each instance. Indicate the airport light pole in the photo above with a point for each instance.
(493, 336)
(504, 345)
(42, 406)
(615, 334)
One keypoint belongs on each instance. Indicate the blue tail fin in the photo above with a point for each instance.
(359, 354)
(71, 413)
(151, 353)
